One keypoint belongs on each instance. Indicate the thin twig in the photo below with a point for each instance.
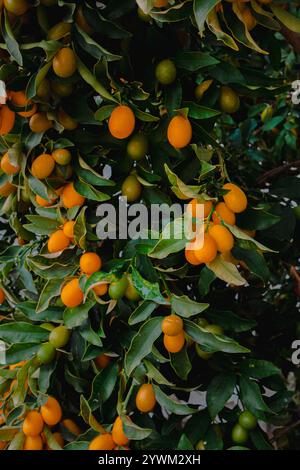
(271, 174)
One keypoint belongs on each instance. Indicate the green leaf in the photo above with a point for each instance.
(184, 443)
(181, 364)
(154, 374)
(28, 308)
(185, 307)
(10, 41)
(142, 312)
(50, 290)
(76, 316)
(219, 391)
(21, 332)
(133, 431)
(142, 342)
(290, 21)
(104, 112)
(228, 272)
(103, 385)
(88, 417)
(201, 11)
(251, 396)
(80, 230)
(90, 192)
(197, 111)
(194, 60)
(89, 78)
(258, 368)
(230, 321)
(146, 289)
(211, 341)
(92, 47)
(213, 24)
(20, 352)
(172, 405)
(254, 261)
(51, 441)
(206, 278)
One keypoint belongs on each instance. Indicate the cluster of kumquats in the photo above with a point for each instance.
(217, 238)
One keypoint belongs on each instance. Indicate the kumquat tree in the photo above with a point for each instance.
(160, 338)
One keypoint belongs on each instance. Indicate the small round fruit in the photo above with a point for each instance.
(46, 353)
(145, 399)
(229, 100)
(7, 119)
(100, 289)
(42, 166)
(58, 242)
(7, 167)
(102, 361)
(71, 294)
(51, 411)
(160, 3)
(33, 424)
(2, 296)
(64, 63)
(165, 72)
(121, 123)
(131, 188)
(90, 263)
(17, 7)
(205, 252)
(7, 188)
(223, 214)
(179, 132)
(47, 326)
(102, 442)
(172, 325)
(62, 156)
(39, 122)
(131, 293)
(247, 420)
(239, 435)
(20, 100)
(59, 337)
(68, 229)
(62, 90)
(66, 120)
(235, 198)
(118, 434)
(43, 202)
(137, 146)
(70, 197)
(203, 354)
(174, 344)
(118, 288)
(71, 426)
(223, 237)
(196, 206)
(43, 90)
(33, 443)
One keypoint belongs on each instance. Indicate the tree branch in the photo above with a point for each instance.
(277, 171)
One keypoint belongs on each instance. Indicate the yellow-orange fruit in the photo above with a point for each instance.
(16, 7)
(33, 424)
(206, 252)
(70, 197)
(66, 120)
(102, 361)
(160, 3)
(196, 205)
(8, 167)
(43, 202)
(20, 100)
(64, 63)
(222, 236)
(118, 434)
(43, 166)
(102, 442)
(39, 122)
(33, 443)
(62, 156)
(174, 344)
(100, 289)
(51, 411)
(7, 119)
(71, 294)
(172, 325)
(71, 426)
(121, 122)
(2, 296)
(145, 399)
(222, 213)
(58, 242)
(90, 263)
(68, 228)
(7, 188)
(190, 256)
(179, 132)
(235, 199)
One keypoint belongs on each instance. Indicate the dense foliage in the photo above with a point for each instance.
(142, 343)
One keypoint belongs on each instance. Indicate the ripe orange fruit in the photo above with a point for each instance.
(131, 188)
(62, 89)
(118, 434)
(190, 256)
(8, 167)
(70, 197)
(206, 252)
(62, 156)
(66, 121)
(33, 443)
(51, 411)
(100, 289)
(229, 100)
(7, 120)
(17, 7)
(172, 325)
(174, 344)
(145, 399)
(33, 424)
(64, 63)
(71, 294)
(222, 213)
(179, 132)
(68, 228)
(43, 202)
(90, 263)
(39, 122)
(102, 361)
(71, 426)
(121, 122)
(7, 188)
(160, 3)
(42, 166)
(20, 100)
(102, 442)
(199, 205)
(235, 199)
(222, 236)
(58, 242)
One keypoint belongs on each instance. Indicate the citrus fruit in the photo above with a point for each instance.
(205, 251)
(17, 7)
(59, 336)
(7, 120)
(222, 236)
(229, 100)
(118, 434)
(179, 132)
(33, 424)
(7, 167)
(51, 411)
(121, 123)
(33, 443)
(62, 156)
(66, 120)
(46, 353)
(42, 166)
(118, 288)
(100, 289)
(68, 229)
(165, 72)
(102, 361)
(90, 263)
(71, 426)
(102, 442)
(64, 63)
(235, 198)
(145, 398)
(131, 188)
(223, 214)
(196, 206)
(247, 420)
(39, 122)
(58, 242)
(71, 294)
(172, 325)
(239, 435)
(137, 146)
(131, 292)
(174, 344)
(43, 202)
(70, 197)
